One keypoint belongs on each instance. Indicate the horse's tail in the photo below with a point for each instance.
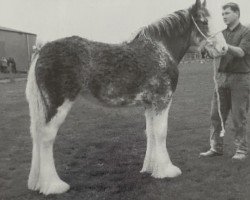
(34, 98)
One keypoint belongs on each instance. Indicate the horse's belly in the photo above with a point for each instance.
(113, 101)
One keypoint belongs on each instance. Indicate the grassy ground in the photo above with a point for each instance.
(99, 151)
(17, 75)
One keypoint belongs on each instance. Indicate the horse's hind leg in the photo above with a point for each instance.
(163, 166)
(43, 175)
(35, 163)
(37, 121)
(148, 163)
(49, 181)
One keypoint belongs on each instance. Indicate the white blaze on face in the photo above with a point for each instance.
(215, 21)
(218, 44)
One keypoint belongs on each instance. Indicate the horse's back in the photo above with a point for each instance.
(123, 74)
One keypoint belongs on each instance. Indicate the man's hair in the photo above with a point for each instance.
(233, 6)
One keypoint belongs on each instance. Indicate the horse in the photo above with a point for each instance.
(141, 72)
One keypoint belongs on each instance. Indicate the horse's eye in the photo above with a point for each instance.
(205, 23)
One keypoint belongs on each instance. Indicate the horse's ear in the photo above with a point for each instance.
(196, 7)
(198, 4)
(204, 4)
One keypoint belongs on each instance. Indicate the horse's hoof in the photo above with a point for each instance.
(33, 184)
(54, 187)
(144, 170)
(170, 171)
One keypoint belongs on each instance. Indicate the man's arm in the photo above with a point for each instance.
(243, 48)
(236, 51)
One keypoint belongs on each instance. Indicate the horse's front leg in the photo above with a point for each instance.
(162, 166)
(148, 164)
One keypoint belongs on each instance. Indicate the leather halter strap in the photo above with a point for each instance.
(199, 30)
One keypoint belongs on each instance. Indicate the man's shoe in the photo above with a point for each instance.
(210, 153)
(239, 156)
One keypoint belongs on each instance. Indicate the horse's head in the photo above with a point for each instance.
(204, 33)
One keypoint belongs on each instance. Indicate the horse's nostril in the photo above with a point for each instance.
(223, 48)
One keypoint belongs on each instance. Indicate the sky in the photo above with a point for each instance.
(111, 21)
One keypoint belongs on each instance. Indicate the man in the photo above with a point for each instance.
(233, 85)
(12, 64)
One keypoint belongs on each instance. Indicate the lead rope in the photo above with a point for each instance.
(222, 133)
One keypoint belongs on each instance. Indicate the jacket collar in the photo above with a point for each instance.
(235, 28)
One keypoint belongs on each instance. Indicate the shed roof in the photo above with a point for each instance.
(14, 30)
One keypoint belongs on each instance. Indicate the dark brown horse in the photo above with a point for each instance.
(142, 71)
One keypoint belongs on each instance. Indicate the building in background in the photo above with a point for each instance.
(17, 44)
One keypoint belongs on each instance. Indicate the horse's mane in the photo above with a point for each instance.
(172, 25)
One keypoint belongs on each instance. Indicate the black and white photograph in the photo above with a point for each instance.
(124, 100)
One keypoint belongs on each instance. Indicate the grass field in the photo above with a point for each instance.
(17, 75)
(100, 151)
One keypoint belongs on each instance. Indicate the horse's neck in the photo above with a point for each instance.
(178, 46)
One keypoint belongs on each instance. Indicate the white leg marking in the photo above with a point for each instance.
(149, 157)
(37, 117)
(163, 166)
(49, 181)
(35, 167)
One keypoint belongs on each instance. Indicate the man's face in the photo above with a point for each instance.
(229, 16)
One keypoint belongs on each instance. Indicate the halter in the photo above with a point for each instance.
(199, 30)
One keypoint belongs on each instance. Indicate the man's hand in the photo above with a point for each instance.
(212, 51)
